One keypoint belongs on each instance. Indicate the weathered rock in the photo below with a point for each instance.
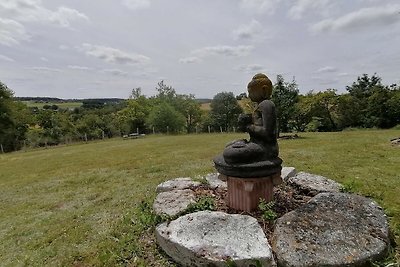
(208, 238)
(177, 184)
(313, 184)
(288, 172)
(395, 141)
(332, 229)
(214, 181)
(173, 202)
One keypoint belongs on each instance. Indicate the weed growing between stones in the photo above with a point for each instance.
(266, 208)
(203, 203)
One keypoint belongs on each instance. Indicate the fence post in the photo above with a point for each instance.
(154, 130)
(209, 129)
(220, 128)
(102, 134)
(137, 130)
(167, 129)
(85, 137)
(2, 150)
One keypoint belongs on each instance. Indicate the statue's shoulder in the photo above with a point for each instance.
(266, 104)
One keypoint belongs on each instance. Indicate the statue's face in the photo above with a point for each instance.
(256, 94)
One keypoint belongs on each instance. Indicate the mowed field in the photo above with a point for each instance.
(88, 204)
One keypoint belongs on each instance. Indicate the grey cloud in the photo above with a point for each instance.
(363, 18)
(45, 69)
(5, 58)
(327, 69)
(12, 32)
(300, 7)
(189, 60)
(113, 55)
(260, 6)
(64, 15)
(224, 50)
(251, 68)
(115, 72)
(74, 67)
(136, 4)
(250, 31)
(33, 10)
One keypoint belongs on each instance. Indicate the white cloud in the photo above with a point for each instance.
(12, 32)
(63, 47)
(327, 69)
(115, 72)
(136, 4)
(189, 60)
(260, 6)
(250, 31)
(5, 58)
(44, 59)
(74, 67)
(224, 50)
(34, 11)
(113, 55)
(343, 74)
(45, 69)
(302, 6)
(64, 15)
(252, 68)
(363, 18)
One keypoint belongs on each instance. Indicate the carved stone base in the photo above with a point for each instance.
(245, 193)
(248, 170)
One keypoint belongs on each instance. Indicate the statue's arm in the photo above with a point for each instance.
(268, 129)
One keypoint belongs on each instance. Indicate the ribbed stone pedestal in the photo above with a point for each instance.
(245, 193)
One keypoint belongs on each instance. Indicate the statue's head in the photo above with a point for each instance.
(260, 88)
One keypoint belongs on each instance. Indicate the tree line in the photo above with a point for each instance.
(367, 103)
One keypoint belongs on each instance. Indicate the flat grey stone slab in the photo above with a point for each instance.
(208, 238)
(214, 182)
(332, 229)
(177, 184)
(173, 202)
(313, 184)
(288, 172)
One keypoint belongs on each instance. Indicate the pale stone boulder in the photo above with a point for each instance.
(332, 229)
(313, 184)
(173, 202)
(215, 182)
(287, 172)
(177, 184)
(208, 238)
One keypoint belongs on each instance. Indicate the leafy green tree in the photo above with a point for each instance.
(165, 118)
(316, 111)
(134, 115)
(6, 121)
(285, 95)
(184, 104)
(348, 111)
(225, 110)
(361, 90)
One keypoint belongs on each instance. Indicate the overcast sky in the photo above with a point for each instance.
(104, 48)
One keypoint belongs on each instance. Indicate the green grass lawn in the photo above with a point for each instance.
(85, 204)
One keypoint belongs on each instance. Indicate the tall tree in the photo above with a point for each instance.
(225, 110)
(165, 118)
(285, 95)
(6, 121)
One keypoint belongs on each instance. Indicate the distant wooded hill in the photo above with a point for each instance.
(59, 100)
(104, 100)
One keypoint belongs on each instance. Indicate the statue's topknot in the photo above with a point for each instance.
(261, 82)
